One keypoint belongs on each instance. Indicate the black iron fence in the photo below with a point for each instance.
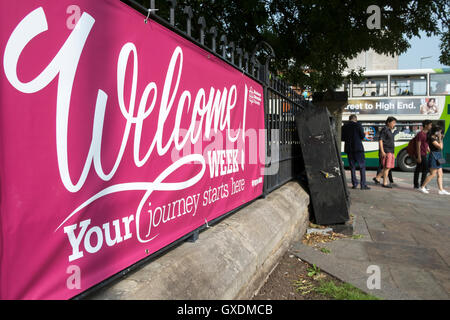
(283, 153)
(281, 100)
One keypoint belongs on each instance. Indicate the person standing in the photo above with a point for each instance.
(386, 148)
(380, 162)
(352, 135)
(380, 168)
(422, 150)
(436, 144)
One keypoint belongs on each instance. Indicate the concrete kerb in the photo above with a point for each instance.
(229, 260)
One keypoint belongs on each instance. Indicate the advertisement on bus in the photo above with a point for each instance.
(401, 106)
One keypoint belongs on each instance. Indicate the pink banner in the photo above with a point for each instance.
(117, 137)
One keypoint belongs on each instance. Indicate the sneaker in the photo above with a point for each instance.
(423, 190)
(443, 192)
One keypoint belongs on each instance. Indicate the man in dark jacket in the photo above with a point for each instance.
(352, 135)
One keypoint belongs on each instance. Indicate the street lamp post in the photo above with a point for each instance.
(423, 58)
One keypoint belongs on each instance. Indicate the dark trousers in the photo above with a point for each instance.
(357, 158)
(380, 167)
(421, 168)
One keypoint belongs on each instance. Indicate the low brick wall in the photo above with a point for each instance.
(229, 260)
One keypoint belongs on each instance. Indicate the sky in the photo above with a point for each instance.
(421, 47)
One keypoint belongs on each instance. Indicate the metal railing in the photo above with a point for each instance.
(281, 101)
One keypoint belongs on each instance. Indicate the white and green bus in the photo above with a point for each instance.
(411, 96)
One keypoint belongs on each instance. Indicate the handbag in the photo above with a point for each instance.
(440, 160)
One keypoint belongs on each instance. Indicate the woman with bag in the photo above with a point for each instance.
(435, 159)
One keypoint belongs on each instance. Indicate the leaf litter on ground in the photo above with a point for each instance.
(314, 239)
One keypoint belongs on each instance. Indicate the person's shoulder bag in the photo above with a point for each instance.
(439, 160)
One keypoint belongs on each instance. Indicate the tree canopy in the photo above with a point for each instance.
(313, 40)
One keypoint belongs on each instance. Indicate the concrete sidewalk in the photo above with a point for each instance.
(405, 233)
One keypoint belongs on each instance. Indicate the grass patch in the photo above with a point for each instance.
(344, 291)
(304, 286)
(313, 271)
(325, 250)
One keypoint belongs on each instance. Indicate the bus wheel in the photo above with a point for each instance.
(406, 162)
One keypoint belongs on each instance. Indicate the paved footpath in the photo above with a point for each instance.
(405, 233)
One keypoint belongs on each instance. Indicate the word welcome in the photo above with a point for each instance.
(209, 110)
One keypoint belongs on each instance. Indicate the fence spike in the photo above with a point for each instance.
(246, 57)
(253, 65)
(202, 22)
(240, 52)
(257, 69)
(188, 11)
(223, 39)
(266, 64)
(213, 31)
(173, 5)
(232, 47)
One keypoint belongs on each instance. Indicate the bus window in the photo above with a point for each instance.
(343, 87)
(371, 87)
(414, 85)
(369, 132)
(406, 130)
(371, 129)
(440, 83)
